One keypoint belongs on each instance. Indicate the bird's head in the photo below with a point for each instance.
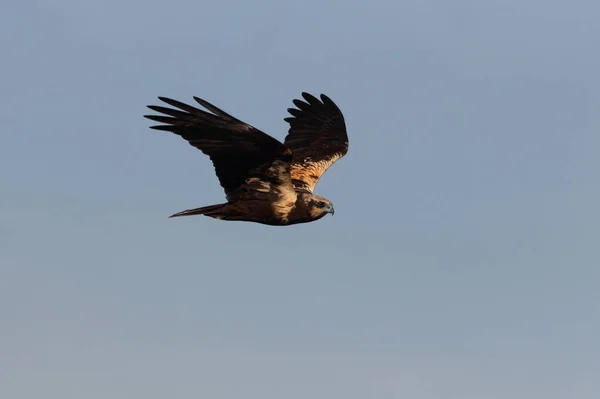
(319, 206)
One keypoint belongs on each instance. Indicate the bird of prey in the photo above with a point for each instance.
(265, 181)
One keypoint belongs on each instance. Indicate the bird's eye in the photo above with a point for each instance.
(321, 204)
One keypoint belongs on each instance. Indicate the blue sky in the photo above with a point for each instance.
(462, 260)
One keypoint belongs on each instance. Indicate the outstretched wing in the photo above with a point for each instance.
(249, 163)
(317, 137)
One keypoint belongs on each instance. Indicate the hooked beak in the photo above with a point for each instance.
(331, 210)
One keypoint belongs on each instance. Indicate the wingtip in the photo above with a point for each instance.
(204, 103)
(294, 112)
(164, 128)
(325, 98)
(309, 97)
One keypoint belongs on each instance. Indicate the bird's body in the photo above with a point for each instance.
(265, 181)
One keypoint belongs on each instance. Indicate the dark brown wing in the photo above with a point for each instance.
(317, 137)
(246, 160)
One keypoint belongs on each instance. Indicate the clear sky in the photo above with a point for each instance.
(463, 258)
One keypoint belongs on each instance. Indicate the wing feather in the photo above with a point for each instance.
(249, 163)
(317, 136)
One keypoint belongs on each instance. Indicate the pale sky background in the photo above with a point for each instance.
(462, 261)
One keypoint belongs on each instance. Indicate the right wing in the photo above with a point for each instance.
(318, 138)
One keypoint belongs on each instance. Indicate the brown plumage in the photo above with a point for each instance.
(265, 181)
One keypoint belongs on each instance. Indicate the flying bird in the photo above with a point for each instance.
(265, 181)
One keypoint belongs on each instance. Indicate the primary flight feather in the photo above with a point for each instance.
(265, 181)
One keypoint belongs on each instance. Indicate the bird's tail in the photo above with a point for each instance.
(211, 210)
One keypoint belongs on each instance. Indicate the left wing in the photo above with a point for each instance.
(317, 138)
(247, 161)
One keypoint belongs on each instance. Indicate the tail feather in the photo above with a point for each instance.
(210, 210)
